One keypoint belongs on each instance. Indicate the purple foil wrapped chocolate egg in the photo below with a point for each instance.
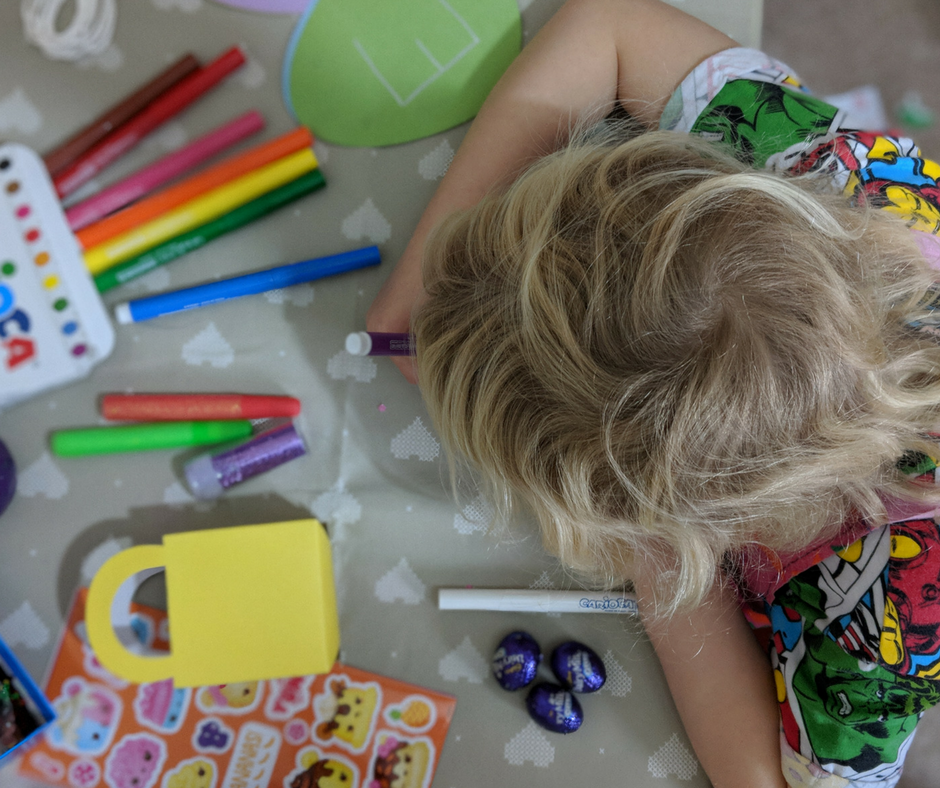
(516, 660)
(7, 477)
(578, 668)
(554, 708)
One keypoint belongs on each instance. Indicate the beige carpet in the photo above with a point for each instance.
(836, 46)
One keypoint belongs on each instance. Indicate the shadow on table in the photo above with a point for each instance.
(147, 525)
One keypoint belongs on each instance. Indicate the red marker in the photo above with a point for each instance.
(125, 137)
(196, 407)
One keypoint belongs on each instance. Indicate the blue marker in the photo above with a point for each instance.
(249, 284)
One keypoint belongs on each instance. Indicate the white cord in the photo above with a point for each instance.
(90, 31)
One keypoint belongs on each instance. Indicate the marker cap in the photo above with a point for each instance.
(202, 478)
(359, 343)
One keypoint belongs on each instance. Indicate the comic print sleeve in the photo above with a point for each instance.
(745, 99)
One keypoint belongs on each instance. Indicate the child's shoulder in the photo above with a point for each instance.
(757, 105)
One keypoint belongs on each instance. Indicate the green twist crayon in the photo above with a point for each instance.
(200, 236)
(145, 437)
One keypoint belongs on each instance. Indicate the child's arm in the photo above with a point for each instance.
(589, 55)
(723, 687)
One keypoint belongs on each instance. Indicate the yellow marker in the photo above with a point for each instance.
(199, 211)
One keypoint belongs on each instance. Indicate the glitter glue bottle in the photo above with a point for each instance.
(211, 474)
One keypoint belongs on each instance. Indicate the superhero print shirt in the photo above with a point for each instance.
(855, 623)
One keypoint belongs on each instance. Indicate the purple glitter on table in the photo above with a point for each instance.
(7, 477)
(578, 667)
(211, 474)
(516, 660)
(554, 708)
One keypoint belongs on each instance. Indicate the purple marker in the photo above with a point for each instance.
(210, 475)
(372, 343)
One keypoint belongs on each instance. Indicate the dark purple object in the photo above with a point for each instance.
(578, 667)
(554, 708)
(7, 477)
(516, 660)
(211, 474)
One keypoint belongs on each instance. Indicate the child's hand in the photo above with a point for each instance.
(393, 306)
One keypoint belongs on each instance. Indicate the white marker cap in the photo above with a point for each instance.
(359, 343)
(122, 313)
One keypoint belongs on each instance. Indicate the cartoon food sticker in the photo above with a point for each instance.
(84, 773)
(212, 736)
(135, 762)
(415, 713)
(322, 770)
(192, 773)
(296, 732)
(401, 761)
(49, 768)
(240, 698)
(87, 716)
(161, 706)
(346, 713)
(254, 756)
(287, 697)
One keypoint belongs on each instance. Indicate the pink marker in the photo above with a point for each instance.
(166, 169)
(372, 343)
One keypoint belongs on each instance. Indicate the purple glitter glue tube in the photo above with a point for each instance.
(372, 343)
(210, 475)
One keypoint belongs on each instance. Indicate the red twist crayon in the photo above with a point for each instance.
(196, 407)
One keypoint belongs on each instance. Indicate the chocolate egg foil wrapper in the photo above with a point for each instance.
(554, 708)
(516, 660)
(578, 668)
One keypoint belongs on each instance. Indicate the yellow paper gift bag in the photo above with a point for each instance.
(246, 603)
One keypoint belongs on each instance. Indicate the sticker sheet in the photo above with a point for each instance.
(347, 728)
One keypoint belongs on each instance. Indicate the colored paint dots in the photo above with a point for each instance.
(42, 258)
(13, 187)
(70, 328)
(32, 235)
(8, 268)
(79, 350)
(50, 282)
(60, 304)
(23, 211)
(5, 164)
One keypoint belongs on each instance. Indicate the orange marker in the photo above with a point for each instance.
(228, 170)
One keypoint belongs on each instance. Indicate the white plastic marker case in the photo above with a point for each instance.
(53, 326)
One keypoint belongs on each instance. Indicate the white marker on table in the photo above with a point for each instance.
(536, 601)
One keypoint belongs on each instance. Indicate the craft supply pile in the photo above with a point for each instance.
(236, 680)
(119, 704)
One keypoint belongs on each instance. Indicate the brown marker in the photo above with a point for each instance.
(81, 142)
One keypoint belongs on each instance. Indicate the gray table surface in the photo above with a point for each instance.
(374, 472)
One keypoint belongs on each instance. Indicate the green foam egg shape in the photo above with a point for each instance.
(370, 73)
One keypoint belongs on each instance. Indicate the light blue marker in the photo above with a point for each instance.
(249, 284)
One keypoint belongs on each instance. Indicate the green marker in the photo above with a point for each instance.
(200, 236)
(144, 437)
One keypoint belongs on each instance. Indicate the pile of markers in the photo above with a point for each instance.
(166, 421)
(132, 226)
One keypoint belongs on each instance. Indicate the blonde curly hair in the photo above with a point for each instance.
(669, 356)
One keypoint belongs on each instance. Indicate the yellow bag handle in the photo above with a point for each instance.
(109, 649)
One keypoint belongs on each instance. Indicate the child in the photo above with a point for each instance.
(701, 372)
